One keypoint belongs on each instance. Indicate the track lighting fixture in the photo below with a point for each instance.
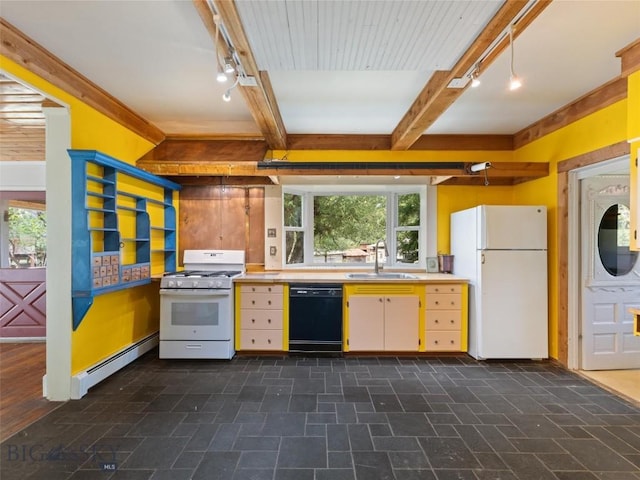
(221, 77)
(475, 81)
(226, 96)
(514, 80)
(228, 65)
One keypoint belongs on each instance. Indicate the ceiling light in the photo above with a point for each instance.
(228, 65)
(475, 81)
(514, 80)
(226, 96)
(221, 76)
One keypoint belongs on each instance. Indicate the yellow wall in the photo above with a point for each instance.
(600, 129)
(117, 319)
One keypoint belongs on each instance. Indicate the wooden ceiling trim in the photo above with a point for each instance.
(21, 49)
(590, 158)
(502, 173)
(383, 142)
(597, 99)
(435, 97)
(463, 142)
(630, 58)
(217, 181)
(181, 151)
(260, 99)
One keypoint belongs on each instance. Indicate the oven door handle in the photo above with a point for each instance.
(196, 292)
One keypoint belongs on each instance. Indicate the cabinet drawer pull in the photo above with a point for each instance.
(437, 302)
(269, 288)
(253, 320)
(253, 302)
(388, 299)
(253, 289)
(452, 321)
(269, 341)
(268, 302)
(253, 340)
(437, 321)
(380, 300)
(268, 320)
(451, 342)
(436, 342)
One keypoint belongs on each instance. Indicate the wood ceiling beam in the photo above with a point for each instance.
(435, 97)
(629, 58)
(19, 48)
(260, 99)
(501, 173)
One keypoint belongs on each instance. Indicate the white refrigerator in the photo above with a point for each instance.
(502, 250)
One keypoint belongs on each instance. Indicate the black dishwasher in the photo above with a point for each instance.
(315, 318)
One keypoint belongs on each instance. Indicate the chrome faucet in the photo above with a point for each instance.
(376, 268)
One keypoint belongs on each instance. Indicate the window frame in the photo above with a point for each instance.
(426, 228)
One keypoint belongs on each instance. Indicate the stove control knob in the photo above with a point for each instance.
(218, 284)
(210, 284)
(195, 283)
(171, 284)
(179, 283)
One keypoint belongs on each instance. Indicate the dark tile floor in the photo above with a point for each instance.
(366, 418)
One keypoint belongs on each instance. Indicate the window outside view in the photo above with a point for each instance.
(27, 238)
(346, 227)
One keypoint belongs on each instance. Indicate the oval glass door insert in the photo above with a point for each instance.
(614, 236)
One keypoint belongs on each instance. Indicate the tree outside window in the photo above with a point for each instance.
(27, 238)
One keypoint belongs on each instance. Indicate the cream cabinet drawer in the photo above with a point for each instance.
(443, 301)
(443, 341)
(262, 289)
(443, 288)
(261, 319)
(269, 301)
(261, 339)
(443, 320)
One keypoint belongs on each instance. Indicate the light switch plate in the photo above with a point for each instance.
(271, 232)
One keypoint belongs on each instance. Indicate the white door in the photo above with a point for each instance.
(610, 276)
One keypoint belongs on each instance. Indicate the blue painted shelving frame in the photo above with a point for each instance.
(83, 256)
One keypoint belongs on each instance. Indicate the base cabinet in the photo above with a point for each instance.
(446, 318)
(260, 320)
(379, 320)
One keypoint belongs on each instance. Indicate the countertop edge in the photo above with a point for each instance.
(340, 277)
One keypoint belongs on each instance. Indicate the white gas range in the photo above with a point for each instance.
(196, 305)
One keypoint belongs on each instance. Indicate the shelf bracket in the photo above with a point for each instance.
(80, 306)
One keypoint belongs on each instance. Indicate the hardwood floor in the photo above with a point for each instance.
(22, 366)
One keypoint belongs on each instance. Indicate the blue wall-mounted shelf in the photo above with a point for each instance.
(96, 238)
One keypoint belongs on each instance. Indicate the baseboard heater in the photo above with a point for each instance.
(83, 381)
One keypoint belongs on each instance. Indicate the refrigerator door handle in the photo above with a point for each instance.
(482, 259)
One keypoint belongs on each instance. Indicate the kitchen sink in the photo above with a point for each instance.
(380, 276)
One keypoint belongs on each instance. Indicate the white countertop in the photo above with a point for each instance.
(290, 276)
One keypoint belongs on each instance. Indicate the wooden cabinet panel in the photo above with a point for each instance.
(260, 324)
(261, 319)
(444, 301)
(366, 323)
(383, 323)
(261, 339)
(443, 320)
(443, 341)
(266, 301)
(277, 288)
(401, 330)
(443, 288)
(222, 217)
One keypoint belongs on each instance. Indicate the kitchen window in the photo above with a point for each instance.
(334, 226)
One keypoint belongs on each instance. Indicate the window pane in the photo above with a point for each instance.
(295, 247)
(346, 225)
(292, 210)
(27, 238)
(409, 210)
(407, 246)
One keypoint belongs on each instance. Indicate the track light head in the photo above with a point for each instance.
(221, 77)
(514, 82)
(475, 81)
(227, 96)
(228, 65)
